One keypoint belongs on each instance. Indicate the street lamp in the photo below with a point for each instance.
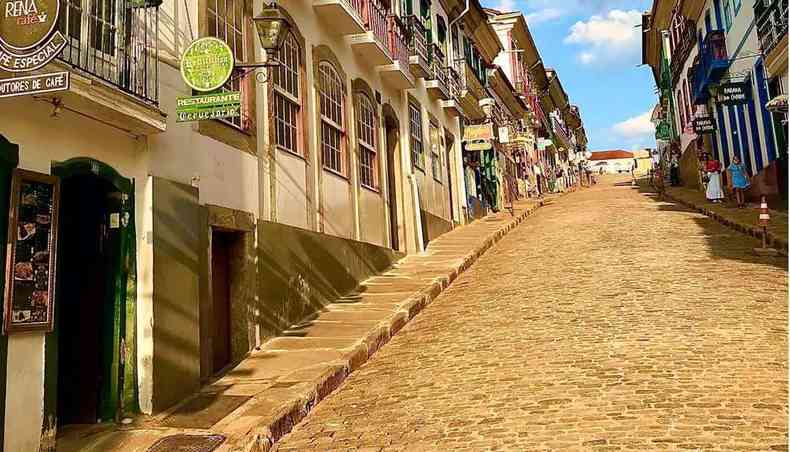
(272, 27)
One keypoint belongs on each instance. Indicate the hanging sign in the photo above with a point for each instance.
(702, 122)
(34, 84)
(733, 93)
(504, 135)
(27, 41)
(478, 145)
(479, 132)
(31, 252)
(208, 106)
(207, 64)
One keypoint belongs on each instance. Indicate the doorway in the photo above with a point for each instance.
(392, 140)
(224, 246)
(86, 311)
(449, 142)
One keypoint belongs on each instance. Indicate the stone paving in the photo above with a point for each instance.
(608, 321)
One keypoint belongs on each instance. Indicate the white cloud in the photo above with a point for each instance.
(505, 6)
(608, 38)
(542, 15)
(636, 127)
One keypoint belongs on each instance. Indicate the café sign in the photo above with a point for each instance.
(27, 41)
(702, 122)
(479, 132)
(34, 84)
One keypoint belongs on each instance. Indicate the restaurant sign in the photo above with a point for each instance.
(207, 64)
(733, 93)
(478, 145)
(208, 106)
(663, 131)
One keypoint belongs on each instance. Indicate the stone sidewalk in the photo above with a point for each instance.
(744, 220)
(261, 399)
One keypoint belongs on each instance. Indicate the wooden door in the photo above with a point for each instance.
(220, 277)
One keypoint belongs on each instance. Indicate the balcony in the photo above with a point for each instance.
(682, 51)
(437, 84)
(343, 17)
(397, 74)
(113, 60)
(712, 63)
(771, 18)
(371, 45)
(419, 58)
(470, 90)
(451, 106)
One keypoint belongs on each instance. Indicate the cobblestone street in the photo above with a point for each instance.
(607, 321)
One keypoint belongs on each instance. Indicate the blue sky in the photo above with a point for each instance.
(596, 50)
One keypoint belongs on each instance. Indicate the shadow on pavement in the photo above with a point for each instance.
(723, 242)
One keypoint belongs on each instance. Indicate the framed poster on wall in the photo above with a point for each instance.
(31, 252)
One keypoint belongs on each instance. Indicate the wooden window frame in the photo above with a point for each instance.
(327, 121)
(365, 148)
(244, 140)
(282, 93)
(436, 157)
(416, 136)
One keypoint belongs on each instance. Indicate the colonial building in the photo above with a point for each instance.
(714, 51)
(182, 246)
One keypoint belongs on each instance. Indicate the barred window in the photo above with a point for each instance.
(366, 137)
(332, 116)
(226, 22)
(287, 97)
(415, 137)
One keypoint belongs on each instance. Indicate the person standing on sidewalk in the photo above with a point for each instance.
(739, 180)
(674, 171)
(714, 192)
(538, 177)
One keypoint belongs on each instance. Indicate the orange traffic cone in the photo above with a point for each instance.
(763, 220)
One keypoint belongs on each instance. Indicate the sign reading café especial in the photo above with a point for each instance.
(28, 41)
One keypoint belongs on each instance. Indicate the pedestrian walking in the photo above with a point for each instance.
(674, 171)
(538, 178)
(633, 172)
(739, 180)
(714, 193)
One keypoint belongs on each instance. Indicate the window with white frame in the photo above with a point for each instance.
(331, 97)
(226, 22)
(287, 100)
(415, 137)
(366, 139)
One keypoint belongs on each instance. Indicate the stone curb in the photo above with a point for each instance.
(773, 240)
(263, 437)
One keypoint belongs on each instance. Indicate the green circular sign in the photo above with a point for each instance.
(207, 64)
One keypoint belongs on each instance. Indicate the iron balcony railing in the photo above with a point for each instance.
(712, 61)
(438, 66)
(398, 36)
(453, 83)
(375, 17)
(771, 18)
(418, 42)
(681, 52)
(115, 41)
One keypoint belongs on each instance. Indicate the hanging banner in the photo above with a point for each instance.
(208, 106)
(207, 64)
(733, 93)
(32, 250)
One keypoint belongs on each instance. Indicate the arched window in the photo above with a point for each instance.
(331, 93)
(366, 139)
(286, 82)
